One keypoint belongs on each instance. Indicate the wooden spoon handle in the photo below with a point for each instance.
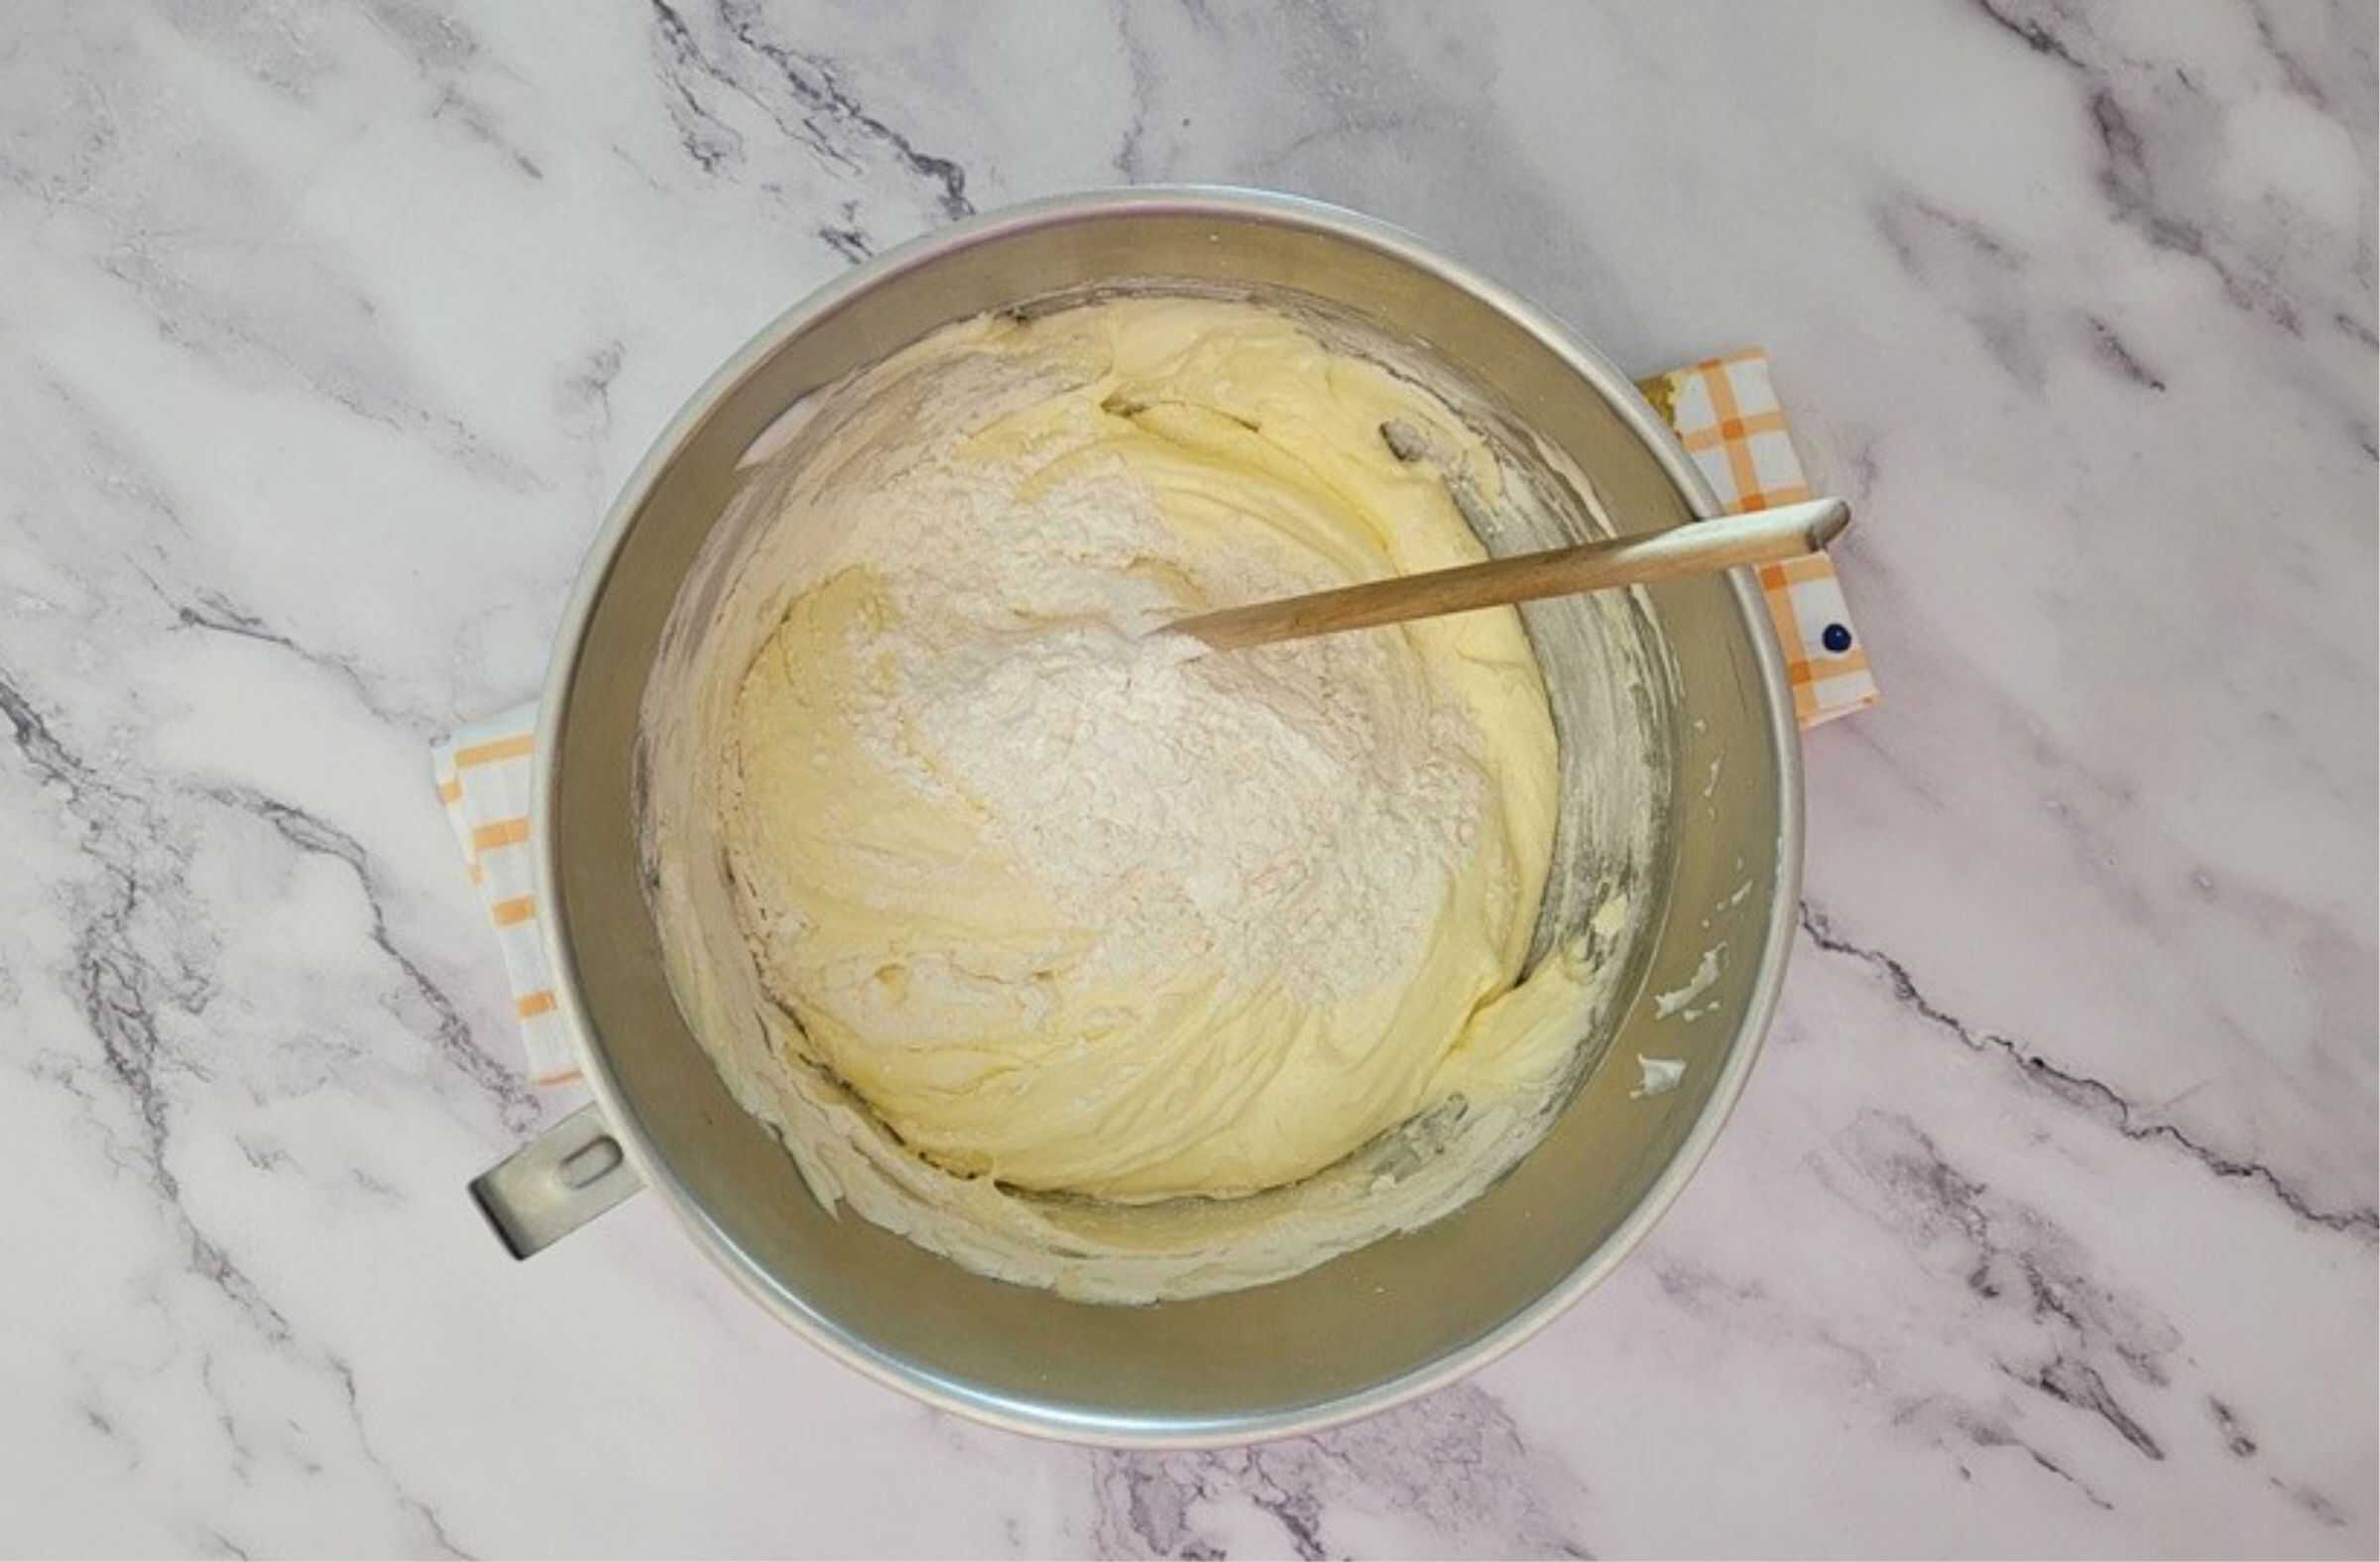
(1699, 547)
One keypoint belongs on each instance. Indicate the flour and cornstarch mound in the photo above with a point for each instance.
(1069, 950)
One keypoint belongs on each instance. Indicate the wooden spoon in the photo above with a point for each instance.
(1695, 548)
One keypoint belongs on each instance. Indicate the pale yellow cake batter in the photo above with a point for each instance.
(1072, 911)
(1042, 902)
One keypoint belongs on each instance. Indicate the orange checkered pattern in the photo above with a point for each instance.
(484, 773)
(1726, 412)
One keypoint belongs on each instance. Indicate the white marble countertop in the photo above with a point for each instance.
(2047, 1225)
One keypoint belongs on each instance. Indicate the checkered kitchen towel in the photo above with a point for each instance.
(484, 773)
(1725, 411)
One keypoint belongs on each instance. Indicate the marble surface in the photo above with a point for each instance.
(2047, 1225)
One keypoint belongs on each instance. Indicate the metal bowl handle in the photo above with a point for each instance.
(555, 1183)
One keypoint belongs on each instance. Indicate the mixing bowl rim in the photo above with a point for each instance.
(1601, 377)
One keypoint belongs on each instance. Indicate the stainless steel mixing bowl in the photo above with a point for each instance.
(1363, 1331)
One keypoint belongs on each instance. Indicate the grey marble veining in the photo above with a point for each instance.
(2048, 1224)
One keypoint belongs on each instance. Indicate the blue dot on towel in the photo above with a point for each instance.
(1837, 637)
